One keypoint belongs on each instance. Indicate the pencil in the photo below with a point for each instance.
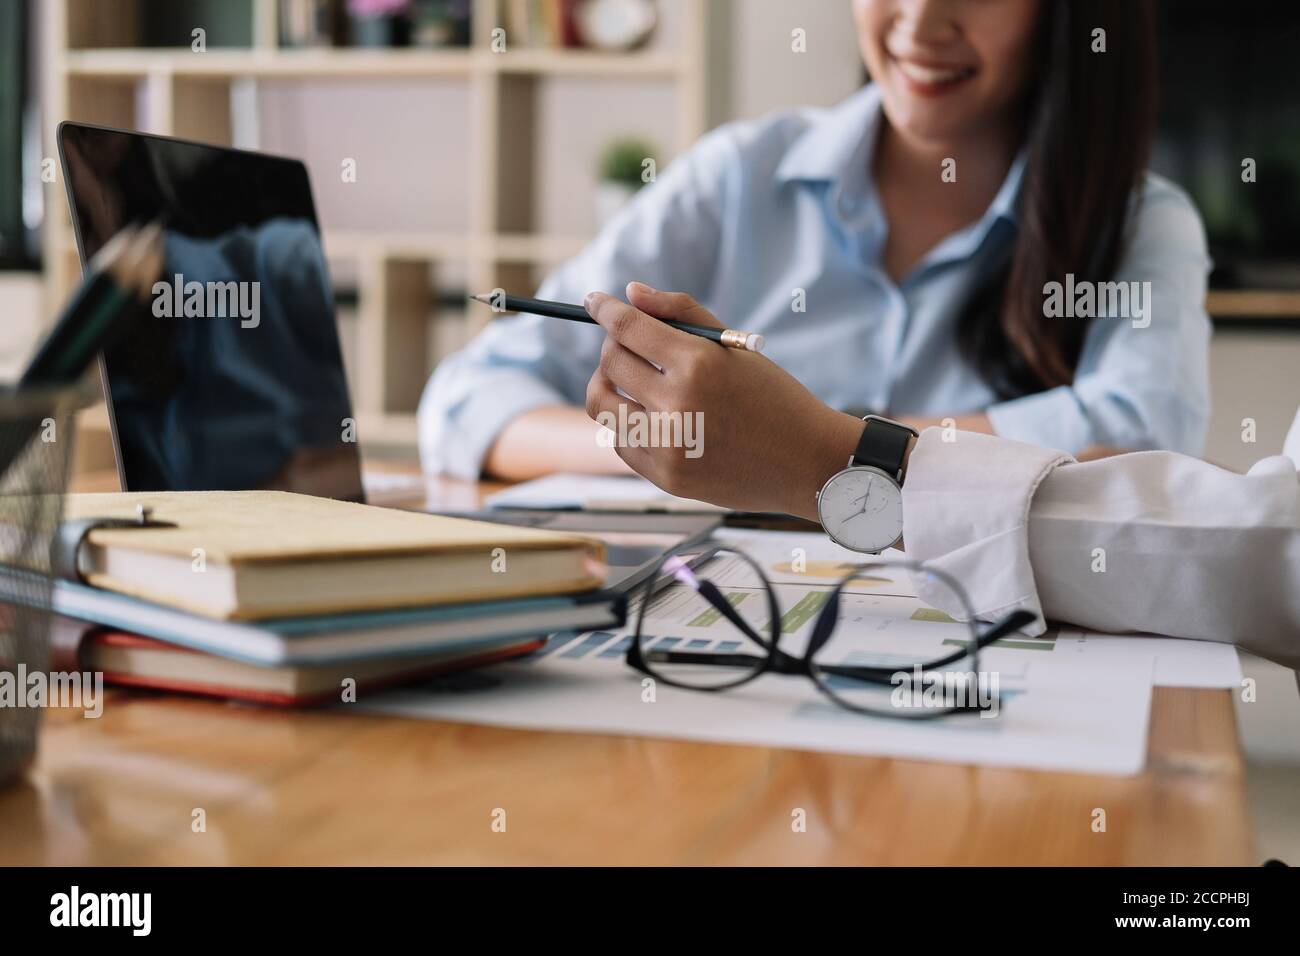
(111, 296)
(730, 338)
(99, 312)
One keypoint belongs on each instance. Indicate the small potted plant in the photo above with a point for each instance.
(625, 166)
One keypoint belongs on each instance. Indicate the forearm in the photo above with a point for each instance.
(834, 443)
(830, 442)
(550, 439)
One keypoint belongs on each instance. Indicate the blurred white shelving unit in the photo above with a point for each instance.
(99, 72)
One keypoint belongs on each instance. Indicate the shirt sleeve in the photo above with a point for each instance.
(1173, 545)
(1154, 542)
(1142, 381)
(965, 511)
(667, 237)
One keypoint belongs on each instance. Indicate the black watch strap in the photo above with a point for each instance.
(883, 445)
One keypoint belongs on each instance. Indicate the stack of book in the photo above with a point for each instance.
(285, 598)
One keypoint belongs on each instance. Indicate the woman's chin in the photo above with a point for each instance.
(929, 126)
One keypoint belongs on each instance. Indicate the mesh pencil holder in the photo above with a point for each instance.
(36, 433)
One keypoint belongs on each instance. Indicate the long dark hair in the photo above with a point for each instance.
(1087, 138)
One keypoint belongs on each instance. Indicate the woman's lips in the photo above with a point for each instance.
(931, 80)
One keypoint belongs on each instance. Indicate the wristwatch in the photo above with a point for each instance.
(861, 507)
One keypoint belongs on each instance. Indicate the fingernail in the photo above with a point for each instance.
(591, 301)
(642, 287)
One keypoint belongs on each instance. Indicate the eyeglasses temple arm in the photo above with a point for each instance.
(710, 593)
(1008, 625)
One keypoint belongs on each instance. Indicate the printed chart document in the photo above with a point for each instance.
(1056, 711)
(812, 558)
(1179, 662)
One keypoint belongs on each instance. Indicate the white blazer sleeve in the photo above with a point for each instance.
(966, 506)
(1153, 541)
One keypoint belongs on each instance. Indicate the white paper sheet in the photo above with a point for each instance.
(1082, 723)
(594, 493)
(1071, 700)
(1088, 713)
(1179, 662)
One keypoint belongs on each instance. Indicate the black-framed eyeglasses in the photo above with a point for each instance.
(712, 622)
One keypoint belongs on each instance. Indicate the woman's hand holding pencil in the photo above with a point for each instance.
(749, 457)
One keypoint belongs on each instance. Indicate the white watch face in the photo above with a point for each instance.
(862, 509)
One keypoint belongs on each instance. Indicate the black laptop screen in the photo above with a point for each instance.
(234, 379)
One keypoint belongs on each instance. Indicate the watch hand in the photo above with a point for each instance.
(858, 514)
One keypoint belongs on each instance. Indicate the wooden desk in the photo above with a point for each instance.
(340, 788)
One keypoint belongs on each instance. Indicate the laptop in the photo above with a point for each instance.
(235, 379)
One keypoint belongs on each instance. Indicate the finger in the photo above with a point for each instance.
(1097, 452)
(603, 406)
(640, 460)
(677, 306)
(633, 329)
(630, 372)
(603, 401)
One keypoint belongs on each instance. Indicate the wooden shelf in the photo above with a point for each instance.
(1253, 304)
(541, 249)
(305, 64)
(141, 62)
(344, 244)
(583, 63)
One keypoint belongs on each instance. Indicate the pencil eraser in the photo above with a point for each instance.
(753, 342)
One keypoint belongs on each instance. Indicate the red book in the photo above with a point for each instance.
(568, 29)
(131, 660)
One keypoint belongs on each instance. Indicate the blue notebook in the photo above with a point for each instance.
(333, 638)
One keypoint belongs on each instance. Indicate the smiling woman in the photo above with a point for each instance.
(1093, 67)
(895, 252)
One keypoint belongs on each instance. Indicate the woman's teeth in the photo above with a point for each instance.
(932, 76)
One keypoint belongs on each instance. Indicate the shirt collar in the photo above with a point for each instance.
(961, 245)
(837, 145)
(1004, 203)
(838, 142)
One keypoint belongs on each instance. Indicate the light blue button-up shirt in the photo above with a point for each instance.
(775, 225)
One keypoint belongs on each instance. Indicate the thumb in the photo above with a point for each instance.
(670, 305)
